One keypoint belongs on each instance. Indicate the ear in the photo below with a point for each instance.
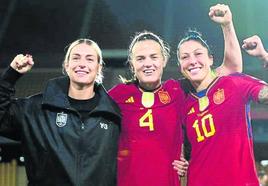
(179, 65)
(182, 71)
(165, 63)
(211, 60)
(65, 66)
(131, 67)
(100, 68)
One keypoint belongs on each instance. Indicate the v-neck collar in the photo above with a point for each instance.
(204, 92)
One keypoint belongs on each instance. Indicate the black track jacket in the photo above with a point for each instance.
(59, 149)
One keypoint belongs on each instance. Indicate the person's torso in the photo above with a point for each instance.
(62, 149)
(219, 130)
(150, 136)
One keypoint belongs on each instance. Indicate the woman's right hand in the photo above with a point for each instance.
(22, 63)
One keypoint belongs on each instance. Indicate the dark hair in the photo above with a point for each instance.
(144, 36)
(196, 36)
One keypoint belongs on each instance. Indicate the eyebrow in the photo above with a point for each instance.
(87, 55)
(154, 54)
(193, 51)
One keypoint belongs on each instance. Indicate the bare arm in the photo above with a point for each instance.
(232, 61)
(263, 95)
(254, 47)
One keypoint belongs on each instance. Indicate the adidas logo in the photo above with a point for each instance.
(130, 100)
(191, 111)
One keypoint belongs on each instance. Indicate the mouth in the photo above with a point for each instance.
(194, 70)
(148, 72)
(81, 72)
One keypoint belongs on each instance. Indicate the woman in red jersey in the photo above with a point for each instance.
(217, 118)
(151, 135)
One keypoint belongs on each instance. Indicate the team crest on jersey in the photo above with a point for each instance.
(164, 97)
(219, 97)
(61, 119)
(147, 99)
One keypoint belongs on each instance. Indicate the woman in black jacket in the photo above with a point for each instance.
(69, 132)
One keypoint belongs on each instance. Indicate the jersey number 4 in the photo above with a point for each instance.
(201, 126)
(147, 120)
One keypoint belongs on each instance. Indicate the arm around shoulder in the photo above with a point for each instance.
(263, 95)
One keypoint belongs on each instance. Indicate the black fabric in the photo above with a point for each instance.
(59, 148)
(84, 107)
(10, 75)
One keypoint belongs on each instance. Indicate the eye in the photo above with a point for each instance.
(90, 60)
(184, 57)
(154, 57)
(75, 58)
(139, 59)
(198, 53)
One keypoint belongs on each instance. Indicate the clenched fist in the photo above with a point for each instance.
(22, 63)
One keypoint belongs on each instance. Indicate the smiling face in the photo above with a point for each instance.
(82, 66)
(195, 61)
(148, 62)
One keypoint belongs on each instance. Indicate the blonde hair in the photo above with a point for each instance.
(89, 42)
(144, 36)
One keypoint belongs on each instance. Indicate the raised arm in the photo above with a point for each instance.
(8, 108)
(232, 61)
(22, 63)
(254, 47)
(263, 95)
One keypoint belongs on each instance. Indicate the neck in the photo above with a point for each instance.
(81, 92)
(202, 85)
(149, 87)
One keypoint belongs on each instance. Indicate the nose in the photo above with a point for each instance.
(192, 60)
(148, 62)
(82, 63)
(82, 66)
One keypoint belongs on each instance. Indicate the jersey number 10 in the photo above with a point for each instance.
(205, 132)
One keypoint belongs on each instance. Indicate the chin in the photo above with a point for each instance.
(193, 79)
(84, 82)
(150, 81)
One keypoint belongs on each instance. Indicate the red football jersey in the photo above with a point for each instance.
(151, 134)
(219, 130)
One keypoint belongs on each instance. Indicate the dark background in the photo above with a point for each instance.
(44, 27)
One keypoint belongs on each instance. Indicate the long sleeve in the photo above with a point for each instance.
(8, 128)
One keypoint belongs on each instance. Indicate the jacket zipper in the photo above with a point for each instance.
(82, 125)
(79, 157)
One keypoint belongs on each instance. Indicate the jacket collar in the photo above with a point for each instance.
(56, 95)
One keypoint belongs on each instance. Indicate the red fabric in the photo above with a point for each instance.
(223, 156)
(145, 157)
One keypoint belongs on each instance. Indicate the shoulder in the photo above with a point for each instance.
(122, 89)
(117, 88)
(32, 102)
(173, 87)
(35, 98)
(239, 78)
(172, 83)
